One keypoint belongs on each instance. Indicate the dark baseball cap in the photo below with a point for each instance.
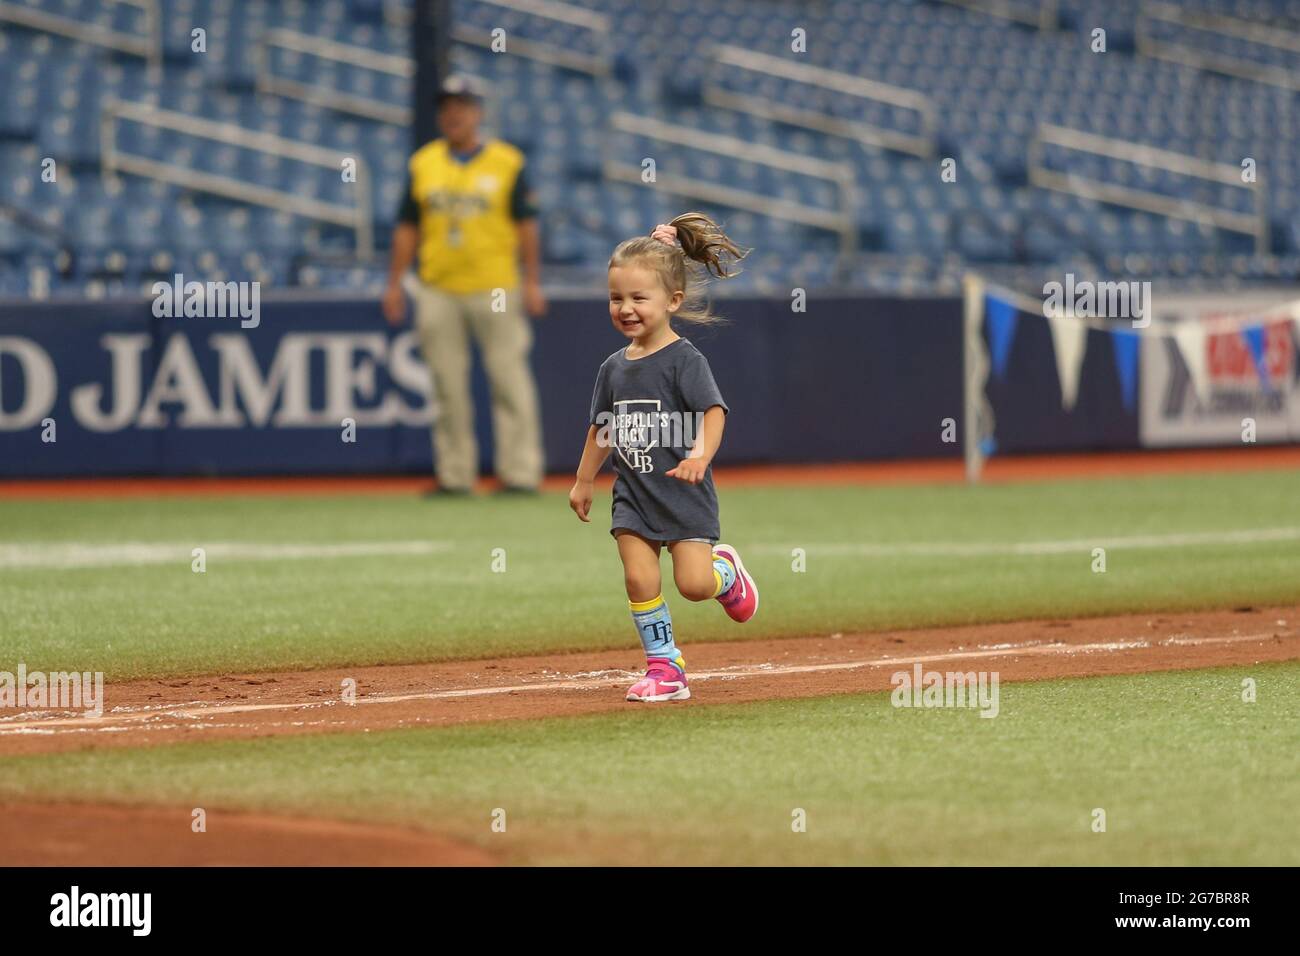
(462, 86)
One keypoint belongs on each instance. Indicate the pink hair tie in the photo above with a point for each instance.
(665, 234)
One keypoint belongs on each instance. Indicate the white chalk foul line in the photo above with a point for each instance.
(85, 554)
(975, 549)
(142, 715)
(93, 554)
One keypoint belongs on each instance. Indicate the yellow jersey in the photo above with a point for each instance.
(466, 208)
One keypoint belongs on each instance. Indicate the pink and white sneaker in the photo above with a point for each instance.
(664, 680)
(741, 599)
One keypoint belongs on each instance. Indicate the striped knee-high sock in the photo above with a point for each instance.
(724, 574)
(654, 625)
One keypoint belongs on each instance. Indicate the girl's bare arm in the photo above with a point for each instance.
(693, 467)
(593, 456)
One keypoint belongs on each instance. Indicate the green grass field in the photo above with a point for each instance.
(1185, 771)
(876, 557)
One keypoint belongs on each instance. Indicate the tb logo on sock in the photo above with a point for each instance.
(662, 632)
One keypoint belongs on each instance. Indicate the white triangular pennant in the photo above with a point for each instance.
(1070, 340)
(1190, 339)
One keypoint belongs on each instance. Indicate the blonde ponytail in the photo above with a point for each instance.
(702, 242)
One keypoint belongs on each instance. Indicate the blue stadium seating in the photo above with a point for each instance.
(992, 83)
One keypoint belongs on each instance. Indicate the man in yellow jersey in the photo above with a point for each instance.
(469, 214)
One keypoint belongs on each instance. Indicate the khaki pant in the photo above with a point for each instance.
(445, 321)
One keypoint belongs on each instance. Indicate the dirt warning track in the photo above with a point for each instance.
(998, 469)
(153, 712)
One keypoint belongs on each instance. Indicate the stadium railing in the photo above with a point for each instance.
(1253, 224)
(371, 108)
(1044, 14)
(147, 45)
(923, 144)
(596, 64)
(358, 217)
(1217, 27)
(841, 174)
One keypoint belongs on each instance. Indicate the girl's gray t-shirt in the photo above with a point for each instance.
(650, 410)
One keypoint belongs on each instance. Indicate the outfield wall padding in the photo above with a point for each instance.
(122, 392)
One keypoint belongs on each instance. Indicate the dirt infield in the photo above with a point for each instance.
(153, 712)
(928, 471)
(77, 834)
(161, 712)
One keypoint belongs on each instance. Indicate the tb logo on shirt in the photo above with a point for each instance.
(636, 431)
(640, 461)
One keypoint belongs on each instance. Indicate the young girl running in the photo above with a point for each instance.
(657, 405)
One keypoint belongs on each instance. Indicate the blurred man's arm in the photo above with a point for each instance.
(530, 257)
(523, 209)
(406, 239)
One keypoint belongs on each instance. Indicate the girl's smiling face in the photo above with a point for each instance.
(639, 306)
